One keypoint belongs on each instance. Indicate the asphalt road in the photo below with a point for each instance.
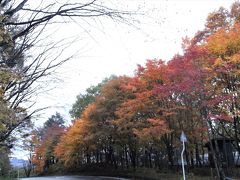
(73, 178)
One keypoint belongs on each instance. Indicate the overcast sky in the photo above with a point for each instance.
(106, 47)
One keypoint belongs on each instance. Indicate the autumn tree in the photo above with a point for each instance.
(224, 109)
(216, 20)
(78, 143)
(222, 45)
(45, 139)
(140, 119)
(136, 121)
(22, 27)
(102, 113)
(95, 129)
(83, 100)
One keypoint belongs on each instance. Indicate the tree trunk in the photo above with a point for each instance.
(198, 159)
(126, 156)
(133, 159)
(150, 158)
(216, 153)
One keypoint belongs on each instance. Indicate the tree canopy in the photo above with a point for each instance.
(136, 121)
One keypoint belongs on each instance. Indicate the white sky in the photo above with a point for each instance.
(111, 48)
(108, 47)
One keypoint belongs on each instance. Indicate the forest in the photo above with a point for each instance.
(133, 122)
(127, 123)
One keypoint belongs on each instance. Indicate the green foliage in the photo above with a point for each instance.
(7, 118)
(11, 61)
(83, 100)
(4, 162)
(54, 120)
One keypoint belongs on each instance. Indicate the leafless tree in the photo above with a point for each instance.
(22, 23)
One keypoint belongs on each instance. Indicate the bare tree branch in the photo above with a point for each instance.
(21, 29)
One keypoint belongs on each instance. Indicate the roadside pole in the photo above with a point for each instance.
(183, 138)
(18, 173)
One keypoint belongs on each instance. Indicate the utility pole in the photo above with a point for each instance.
(183, 138)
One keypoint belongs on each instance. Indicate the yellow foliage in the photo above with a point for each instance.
(223, 42)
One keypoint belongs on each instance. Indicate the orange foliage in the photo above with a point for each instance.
(44, 147)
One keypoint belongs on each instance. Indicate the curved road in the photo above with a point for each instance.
(73, 178)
